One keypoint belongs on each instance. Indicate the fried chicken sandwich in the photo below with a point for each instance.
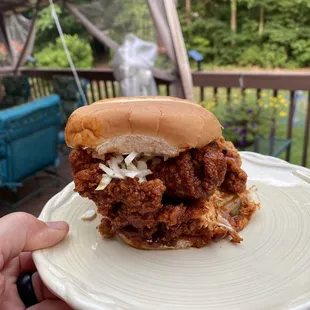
(159, 171)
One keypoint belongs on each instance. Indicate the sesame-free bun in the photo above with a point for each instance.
(155, 125)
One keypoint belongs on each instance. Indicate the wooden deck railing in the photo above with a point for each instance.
(103, 85)
(102, 82)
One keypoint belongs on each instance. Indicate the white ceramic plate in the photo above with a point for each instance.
(269, 270)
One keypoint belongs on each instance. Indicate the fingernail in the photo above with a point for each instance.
(57, 225)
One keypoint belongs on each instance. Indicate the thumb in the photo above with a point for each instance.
(49, 304)
(21, 232)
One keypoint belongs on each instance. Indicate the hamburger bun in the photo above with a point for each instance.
(181, 244)
(157, 125)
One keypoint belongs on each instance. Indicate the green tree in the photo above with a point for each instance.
(188, 11)
(132, 17)
(46, 27)
(53, 55)
(261, 6)
(270, 33)
(233, 15)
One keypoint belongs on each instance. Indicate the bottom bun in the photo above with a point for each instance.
(181, 244)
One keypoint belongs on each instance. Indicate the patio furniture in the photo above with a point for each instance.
(273, 146)
(28, 142)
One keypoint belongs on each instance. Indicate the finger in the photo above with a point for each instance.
(20, 264)
(26, 263)
(21, 232)
(50, 305)
(40, 290)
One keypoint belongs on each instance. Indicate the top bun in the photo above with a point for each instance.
(154, 125)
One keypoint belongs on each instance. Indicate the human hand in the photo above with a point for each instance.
(20, 234)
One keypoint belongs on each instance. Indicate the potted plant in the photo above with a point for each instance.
(244, 118)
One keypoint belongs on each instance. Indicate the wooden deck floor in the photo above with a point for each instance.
(34, 205)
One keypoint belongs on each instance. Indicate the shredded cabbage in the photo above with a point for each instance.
(121, 168)
(142, 179)
(141, 165)
(119, 159)
(144, 173)
(132, 167)
(129, 173)
(105, 181)
(107, 170)
(130, 158)
(89, 215)
(113, 164)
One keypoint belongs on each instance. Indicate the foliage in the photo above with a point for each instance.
(301, 50)
(127, 17)
(269, 55)
(200, 44)
(47, 31)
(243, 118)
(17, 90)
(284, 41)
(53, 56)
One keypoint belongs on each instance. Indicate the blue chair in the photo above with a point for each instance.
(28, 140)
